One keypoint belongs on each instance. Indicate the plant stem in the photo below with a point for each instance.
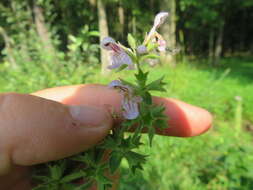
(138, 64)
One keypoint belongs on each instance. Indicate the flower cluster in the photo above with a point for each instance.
(119, 57)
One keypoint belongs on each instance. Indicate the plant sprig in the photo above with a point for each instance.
(95, 165)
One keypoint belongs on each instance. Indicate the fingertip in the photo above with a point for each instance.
(184, 120)
(202, 122)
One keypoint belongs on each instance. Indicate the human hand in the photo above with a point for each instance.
(41, 127)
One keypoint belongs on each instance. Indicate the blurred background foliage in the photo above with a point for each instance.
(46, 43)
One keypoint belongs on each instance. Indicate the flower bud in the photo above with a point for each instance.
(142, 49)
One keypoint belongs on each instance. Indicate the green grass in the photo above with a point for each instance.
(219, 160)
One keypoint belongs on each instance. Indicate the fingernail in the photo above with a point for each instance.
(88, 115)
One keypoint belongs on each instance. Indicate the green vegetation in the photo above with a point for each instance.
(50, 43)
(220, 159)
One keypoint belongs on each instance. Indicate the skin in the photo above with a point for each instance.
(35, 128)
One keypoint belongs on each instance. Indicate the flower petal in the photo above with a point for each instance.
(142, 49)
(160, 19)
(162, 45)
(120, 58)
(130, 109)
(125, 58)
(115, 83)
(129, 102)
(106, 42)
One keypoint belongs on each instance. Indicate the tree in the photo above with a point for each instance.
(103, 29)
(8, 48)
(41, 28)
(169, 27)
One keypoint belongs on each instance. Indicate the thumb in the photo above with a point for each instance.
(35, 130)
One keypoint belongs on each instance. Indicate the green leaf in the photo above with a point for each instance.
(109, 143)
(155, 118)
(157, 111)
(126, 143)
(157, 85)
(141, 78)
(135, 160)
(101, 179)
(136, 139)
(72, 177)
(72, 38)
(57, 171)
(114, 161)
(147, 98)
(67, 186)
(99, 154)
(79, 158)
(161, 123)
(131, 41)
(94, 33)
(128, 83)
(122, 67)
(85, 186)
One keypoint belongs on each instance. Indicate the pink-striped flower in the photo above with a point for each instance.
(153, 35)
(118, 56)
(130, 103)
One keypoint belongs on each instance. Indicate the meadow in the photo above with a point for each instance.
(221, 159)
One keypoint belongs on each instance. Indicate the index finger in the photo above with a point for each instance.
(185, 120)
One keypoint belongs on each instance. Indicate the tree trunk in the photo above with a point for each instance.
(169, 28)
(121, 19)
(7, 42)
(182, 52)
(152, 5)
(103, 29)
(92, 3)
(21, 26)
(218, 45)
(242, 31)
(211, 48)
(42, 29)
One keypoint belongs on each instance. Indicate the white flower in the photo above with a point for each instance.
(118, 56)
(130, 103)
(160, 19)
(153, 35)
